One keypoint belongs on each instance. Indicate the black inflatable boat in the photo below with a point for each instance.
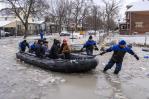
(77, 63)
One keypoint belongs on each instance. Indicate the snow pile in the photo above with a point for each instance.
(137, 39)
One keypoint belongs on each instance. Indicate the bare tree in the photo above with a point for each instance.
(111, 9)
(77, 11)
(95, 13)
(69, 15)
(27, 8)
(84, 15)
(59, 9)
(94, 18)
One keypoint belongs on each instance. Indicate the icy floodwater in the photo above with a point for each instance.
(22, 81)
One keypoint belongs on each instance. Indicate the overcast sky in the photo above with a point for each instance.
(123, 7)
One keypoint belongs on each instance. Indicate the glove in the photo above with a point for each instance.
(136, 57)
(102, 53)
(96, 49)
(81, 50)
(102, 49)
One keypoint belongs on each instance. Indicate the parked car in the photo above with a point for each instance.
(7, 34)
(64, 33)
(75, 36)
(4, 34)
(92, 32)
(76, 47)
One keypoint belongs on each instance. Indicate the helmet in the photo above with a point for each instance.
(122, 42)
(90, 37)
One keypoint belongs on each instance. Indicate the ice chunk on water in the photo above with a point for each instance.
(119, 96)
(63, 80)
(4, 46)
(147, 74)
(104, 64)
(142, 68)
(52, 80)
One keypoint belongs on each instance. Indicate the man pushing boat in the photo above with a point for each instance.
(117, 58)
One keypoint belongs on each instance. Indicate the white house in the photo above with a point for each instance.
(11, 23)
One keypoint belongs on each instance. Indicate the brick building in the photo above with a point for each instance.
(137, 19)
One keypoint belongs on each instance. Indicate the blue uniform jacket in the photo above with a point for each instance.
(119, 52)
(90, 43)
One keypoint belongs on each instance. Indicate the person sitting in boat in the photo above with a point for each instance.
(23, 45)
(46, 47)
(65, 50)
(54, 52)
(44, 40)
(33, 47)
(90, 45)
(117, 58)
(39, 50)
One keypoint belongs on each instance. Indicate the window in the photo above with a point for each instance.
(36, 27)
(6, 18)
(24, 17)
(19, 27)
(30, 28)
(138, 24)
(123, 27)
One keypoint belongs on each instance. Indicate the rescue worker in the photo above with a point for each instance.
(23, 45)
(33, 47)
(90, 45)
(117, 58)
(41, 35)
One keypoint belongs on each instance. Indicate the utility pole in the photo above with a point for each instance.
(146, 34)
(0, 34)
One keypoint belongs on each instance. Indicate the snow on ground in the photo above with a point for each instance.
(138, 39)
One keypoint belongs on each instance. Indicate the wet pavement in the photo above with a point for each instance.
(22, 81)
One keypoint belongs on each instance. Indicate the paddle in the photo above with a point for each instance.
(90, 55)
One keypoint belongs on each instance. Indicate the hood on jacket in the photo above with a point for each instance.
(56, 41)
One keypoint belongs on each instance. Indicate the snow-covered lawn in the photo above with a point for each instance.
(138, 39)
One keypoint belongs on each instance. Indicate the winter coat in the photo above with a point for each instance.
(89, 45)
(54, 52)
(23, 45)
(33, 47)
(65, 49)
(39, 50)
(119, 53)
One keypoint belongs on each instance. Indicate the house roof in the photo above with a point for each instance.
(36, 22)
(139, 6)
(4, 23)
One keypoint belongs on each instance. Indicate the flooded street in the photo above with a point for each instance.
(22, 81)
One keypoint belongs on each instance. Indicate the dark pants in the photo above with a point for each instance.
(89, 52)
(67, 55)
(22, 50)
(111, 64)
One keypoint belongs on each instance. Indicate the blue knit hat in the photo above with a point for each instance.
(122, 42)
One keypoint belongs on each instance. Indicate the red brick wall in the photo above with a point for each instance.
(139, 17)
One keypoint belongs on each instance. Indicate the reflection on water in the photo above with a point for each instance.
(115, 83)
